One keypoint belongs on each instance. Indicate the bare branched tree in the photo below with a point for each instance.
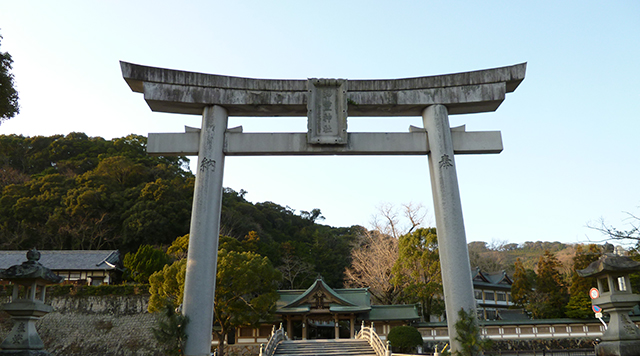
(372, 261)
(388, 221)
(632, 234)
(294, 270)
(376, 251)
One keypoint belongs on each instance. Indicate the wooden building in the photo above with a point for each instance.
(78, 266)
(492, 293)
(320, 312)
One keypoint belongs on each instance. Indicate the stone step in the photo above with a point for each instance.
(347, 347)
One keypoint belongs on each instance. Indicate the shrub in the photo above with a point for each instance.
(105, 289)
(405, 338)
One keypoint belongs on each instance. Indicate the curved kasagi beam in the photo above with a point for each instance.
(173, 91)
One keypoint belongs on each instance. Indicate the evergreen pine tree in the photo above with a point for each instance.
(521, 287)
(579, 305)
(550, 296)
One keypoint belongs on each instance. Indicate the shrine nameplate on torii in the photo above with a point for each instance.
(327, 103)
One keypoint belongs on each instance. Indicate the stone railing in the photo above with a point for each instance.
(523, 330)
(369, 334)
(277, 336)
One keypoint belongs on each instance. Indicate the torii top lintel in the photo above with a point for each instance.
(174, 91)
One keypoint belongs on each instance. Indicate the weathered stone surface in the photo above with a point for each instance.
(242, 350)
(173, 91)
(97, 326)
(452, 241)
(200, 279)
(327, 111)
(112, 305)
(610, 263)
(291, 144)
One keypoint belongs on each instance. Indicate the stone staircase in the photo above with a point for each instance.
(339, 347)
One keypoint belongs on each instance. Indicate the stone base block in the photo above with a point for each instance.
(617, 348)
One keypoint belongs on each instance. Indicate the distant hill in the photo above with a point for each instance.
(80, 192)
(87, 193)
(498, 257)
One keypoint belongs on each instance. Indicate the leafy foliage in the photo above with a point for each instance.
(417, 271)
(294, 243)
(501, 256)
(522, 285)
(579, 305)
(550, 295)
(167, 286)
(246, 286)
(171, 331)
(142, 264)
(405, 338)
(103, 289)
(8, 94)
(77, 192)
(471, 343)
(80, 192)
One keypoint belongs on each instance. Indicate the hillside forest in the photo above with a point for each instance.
(79, 192)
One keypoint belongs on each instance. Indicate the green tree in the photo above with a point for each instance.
(245, 292)
(171, 331)
(550, 295)
(179, 247)
(167, 286)
(471, 343)
(521, 287)
(417, 271)
(80, 192)
(579, 305)
(246, 286)
(144, 262)
(405, 338)
(8, 93)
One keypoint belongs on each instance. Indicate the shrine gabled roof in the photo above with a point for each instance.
(499, 279)
(317, 286)
(351, 300)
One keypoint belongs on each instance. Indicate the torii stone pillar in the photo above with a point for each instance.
(200, 282)
(452, 242)
(327, 103)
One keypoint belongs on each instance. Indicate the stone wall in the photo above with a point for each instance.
(99, 326)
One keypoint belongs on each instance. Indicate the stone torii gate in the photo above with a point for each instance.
(327, 103)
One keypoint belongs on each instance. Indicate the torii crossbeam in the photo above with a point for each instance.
(327, 103)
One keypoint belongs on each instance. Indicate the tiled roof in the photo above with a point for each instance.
(348, 300)
(394, 312)
(75, 260)
(495, 279)
(345, 300)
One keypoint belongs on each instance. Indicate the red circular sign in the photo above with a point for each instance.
(594, 293)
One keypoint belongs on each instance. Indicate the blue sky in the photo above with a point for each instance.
(570, 131)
